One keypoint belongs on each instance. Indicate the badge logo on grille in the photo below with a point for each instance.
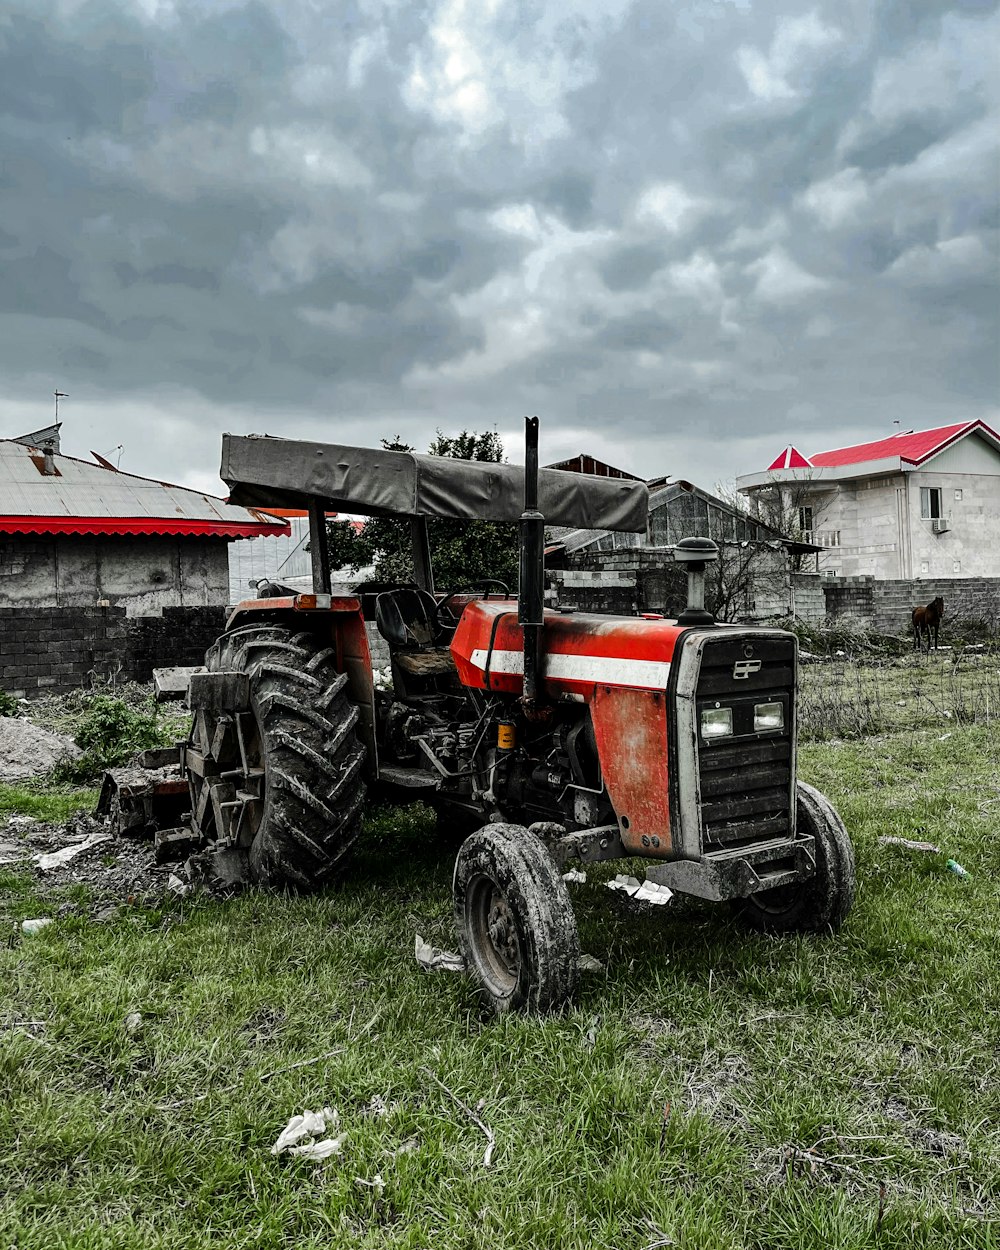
(743, 668)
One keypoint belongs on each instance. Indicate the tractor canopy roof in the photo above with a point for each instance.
(270, 472)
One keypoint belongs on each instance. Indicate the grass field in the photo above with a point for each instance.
(710, 1089)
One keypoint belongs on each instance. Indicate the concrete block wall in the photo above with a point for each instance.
(646, 579)
(53, 650)
(886, 606)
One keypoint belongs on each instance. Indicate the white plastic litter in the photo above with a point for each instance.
(642, 891)
(433, 959)
(376, 1183)
(55, 859)
(34, 926)
(910, 845)
(589, 963)
(305, 1136)
(133, 1022)
(575, 875)
(177, 886)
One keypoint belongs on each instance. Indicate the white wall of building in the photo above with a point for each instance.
(872, 526)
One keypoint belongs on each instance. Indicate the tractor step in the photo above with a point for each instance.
(408, 778)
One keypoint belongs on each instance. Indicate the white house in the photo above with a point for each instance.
(918, 504)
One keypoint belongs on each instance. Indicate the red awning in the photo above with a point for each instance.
(139, 525)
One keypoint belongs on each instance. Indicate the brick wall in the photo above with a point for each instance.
(57, 649)
(886, 605)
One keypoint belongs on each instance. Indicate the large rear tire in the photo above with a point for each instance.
(515, 921)
(821, 904)
(303, 790)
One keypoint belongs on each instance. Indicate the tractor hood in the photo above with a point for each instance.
(280, 472)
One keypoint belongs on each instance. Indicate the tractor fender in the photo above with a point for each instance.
(336, 621)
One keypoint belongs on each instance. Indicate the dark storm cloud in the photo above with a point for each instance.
(680, 234)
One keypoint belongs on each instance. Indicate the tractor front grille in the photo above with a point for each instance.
(746, 777)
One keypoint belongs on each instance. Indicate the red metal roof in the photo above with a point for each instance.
(915, 447)
(83, 498)
(790, 458)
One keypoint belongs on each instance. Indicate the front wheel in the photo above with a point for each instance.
(515, 921)
(820, 904)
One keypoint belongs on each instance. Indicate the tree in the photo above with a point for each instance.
(759, 568)
(463, 553)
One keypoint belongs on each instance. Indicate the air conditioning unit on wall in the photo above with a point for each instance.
(939, 526)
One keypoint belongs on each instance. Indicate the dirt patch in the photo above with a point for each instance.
(28, 750)
(116, 871)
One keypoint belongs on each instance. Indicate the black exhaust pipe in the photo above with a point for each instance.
(531, 588)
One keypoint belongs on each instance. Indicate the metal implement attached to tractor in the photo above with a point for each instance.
(561, 736)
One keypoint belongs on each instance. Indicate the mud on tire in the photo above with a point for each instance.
(515, 921)
(821, 904)
(306, 741)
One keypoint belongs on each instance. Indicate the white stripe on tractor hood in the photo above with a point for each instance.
(609, 670)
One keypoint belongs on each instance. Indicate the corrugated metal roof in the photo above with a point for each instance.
(913, 446)
(85, 498)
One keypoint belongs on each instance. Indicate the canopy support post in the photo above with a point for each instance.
(531, 581)
(319, 553)
(423, 571)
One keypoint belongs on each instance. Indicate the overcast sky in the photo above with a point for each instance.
(683, 234)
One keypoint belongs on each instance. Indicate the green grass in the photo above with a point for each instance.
(848, 698)
(878, 1049)
(53, 804)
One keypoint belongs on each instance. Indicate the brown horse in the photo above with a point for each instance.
(925, 620)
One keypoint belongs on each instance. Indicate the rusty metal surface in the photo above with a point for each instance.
(631, 731)
(138, 801)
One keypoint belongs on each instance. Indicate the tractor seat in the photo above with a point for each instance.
(407, 620)
(407, 617)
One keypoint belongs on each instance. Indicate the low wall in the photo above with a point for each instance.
(886, 606)
(646, 579)
(44, 650)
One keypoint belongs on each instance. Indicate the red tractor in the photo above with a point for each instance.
(558, 735)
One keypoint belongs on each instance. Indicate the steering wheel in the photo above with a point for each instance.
(446, 620)
(487, 582)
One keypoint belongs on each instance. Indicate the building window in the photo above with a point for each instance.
(958, 496)
(930, 503)
(806, 523)
(956, 566)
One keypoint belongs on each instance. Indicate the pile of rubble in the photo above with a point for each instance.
(27, 750)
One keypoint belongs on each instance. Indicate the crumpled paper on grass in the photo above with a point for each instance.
(642, 891)
(305, 1135)
(433, 959)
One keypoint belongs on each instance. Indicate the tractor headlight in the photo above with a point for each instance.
(716, 722)
(768, 716)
